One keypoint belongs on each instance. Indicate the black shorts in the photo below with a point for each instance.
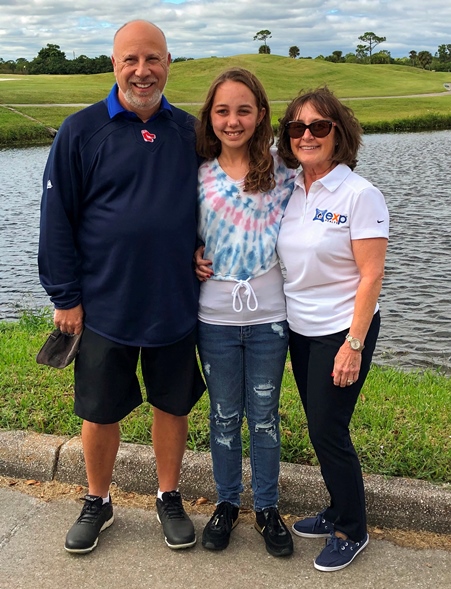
(107, 387)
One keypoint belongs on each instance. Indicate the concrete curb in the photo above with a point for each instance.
(391, 502)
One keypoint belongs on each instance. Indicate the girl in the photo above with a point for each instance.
(243, 333)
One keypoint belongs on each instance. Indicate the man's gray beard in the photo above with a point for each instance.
(141, 103)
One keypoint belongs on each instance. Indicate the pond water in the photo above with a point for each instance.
(20, 194)
(414, 173)
(412, 170)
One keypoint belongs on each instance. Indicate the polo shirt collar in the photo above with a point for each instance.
(332, 180)
(115, 108)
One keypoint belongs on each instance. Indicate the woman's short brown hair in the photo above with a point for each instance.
(348, 132)
(260, 177)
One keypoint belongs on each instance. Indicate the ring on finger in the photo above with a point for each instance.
(350, 382)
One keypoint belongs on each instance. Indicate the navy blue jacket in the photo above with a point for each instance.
(119, 221)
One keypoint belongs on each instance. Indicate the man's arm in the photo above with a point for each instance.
(58, 257)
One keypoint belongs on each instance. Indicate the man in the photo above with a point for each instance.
(118, 232)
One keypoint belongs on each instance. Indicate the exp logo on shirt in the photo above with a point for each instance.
(328, 217)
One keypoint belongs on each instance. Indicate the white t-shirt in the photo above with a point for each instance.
(314, 245)
(264, 303)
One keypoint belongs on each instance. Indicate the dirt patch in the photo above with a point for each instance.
(49, 491)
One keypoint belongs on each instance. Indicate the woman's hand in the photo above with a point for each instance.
(369, 256)
(202, 267)
(346, 366)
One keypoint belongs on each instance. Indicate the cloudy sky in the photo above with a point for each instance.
(202, 28)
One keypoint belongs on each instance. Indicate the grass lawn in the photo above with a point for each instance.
(282, 77)
(401, 426)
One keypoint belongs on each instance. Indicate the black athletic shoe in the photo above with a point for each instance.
(216, 533)
(177, 526)
(95, 517)
(277, 537)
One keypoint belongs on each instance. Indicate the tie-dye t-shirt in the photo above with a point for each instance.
(240, 228)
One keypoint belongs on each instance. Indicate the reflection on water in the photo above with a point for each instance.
(414, 173)
(20, 193)
(412, 170)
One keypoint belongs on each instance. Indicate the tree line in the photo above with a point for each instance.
(364, 53)
(51, 60)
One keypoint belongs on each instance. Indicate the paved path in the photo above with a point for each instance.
(132, 554)
(75, 104)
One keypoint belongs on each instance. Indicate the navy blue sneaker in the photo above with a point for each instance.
(339, 553)
(313, 527)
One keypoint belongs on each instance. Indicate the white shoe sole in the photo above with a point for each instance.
(106, 525)
(177, 546)
(305, 535)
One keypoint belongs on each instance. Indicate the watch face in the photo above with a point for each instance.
(355, 343)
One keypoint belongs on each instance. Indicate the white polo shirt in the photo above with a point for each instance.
(314, 246)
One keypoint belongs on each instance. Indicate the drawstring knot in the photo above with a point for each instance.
(248, 292)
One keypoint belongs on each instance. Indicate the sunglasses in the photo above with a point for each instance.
(296, 129)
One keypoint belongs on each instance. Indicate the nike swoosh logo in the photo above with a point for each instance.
(380, 221)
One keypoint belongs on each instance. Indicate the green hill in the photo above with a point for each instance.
(282, 77)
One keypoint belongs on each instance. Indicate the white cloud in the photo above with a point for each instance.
(201, 28)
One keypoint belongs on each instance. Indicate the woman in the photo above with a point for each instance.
(243, 333)
(332, 243)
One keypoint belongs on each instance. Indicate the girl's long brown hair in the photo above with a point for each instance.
(260, 177)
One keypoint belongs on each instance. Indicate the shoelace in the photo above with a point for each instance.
(341, 544)
(273, 522)
(223, 516)
(173, 508)
(319, 520)
(89, 509)
(248, 291)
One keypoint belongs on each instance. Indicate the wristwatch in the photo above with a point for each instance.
(355, 343)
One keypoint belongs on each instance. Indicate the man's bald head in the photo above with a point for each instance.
(141, 64)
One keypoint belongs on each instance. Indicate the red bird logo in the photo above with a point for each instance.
(147, 136)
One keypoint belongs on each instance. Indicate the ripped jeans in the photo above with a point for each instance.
(243, 368)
